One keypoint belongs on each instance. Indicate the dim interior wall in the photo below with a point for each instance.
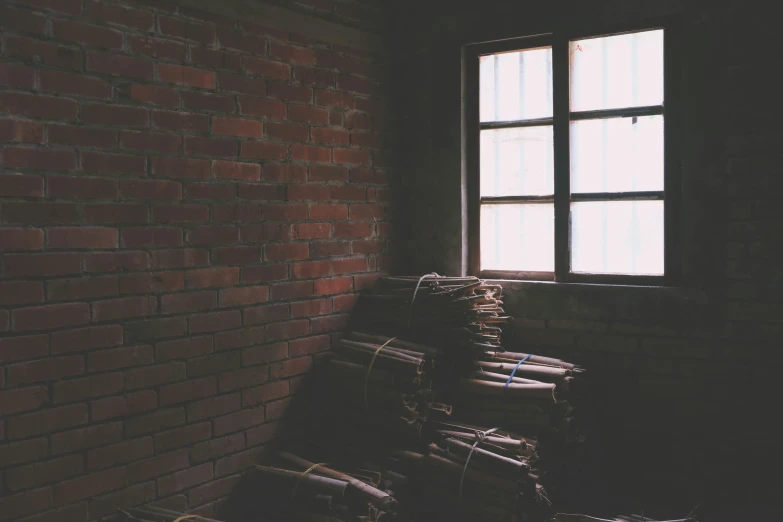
(685, 379)
(188, 203)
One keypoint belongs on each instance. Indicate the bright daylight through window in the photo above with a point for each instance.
(608, 145)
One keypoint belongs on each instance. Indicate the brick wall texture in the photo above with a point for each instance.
(187, 205)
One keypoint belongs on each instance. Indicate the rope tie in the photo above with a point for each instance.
(415, 291)
(301, 476)
(369, 369)
(511, 377)
(184, 517)
(480, 436)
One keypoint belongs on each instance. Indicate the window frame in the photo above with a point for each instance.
(561, 118)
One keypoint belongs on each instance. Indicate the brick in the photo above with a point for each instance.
(87, 388)
(117, 261)
(212, 277)
(367, 141)
(180, 168)
(237, 212)
(287, 330)
(291, 367)
(311, 269)
(304, 192)
(116, 213)
(213, 407)
(347, 266)
(20, 292)
(50, 317)
(21, 239)
(329, 324)
(87, 486)
(22, 21)
(124, 357)
(328, 173)
(12, 453)
(154, 95)
(120, 15)
(239, 338)
(74, 84)
(39, 212)
(353, 229)
(119, 65)
(358, 120)
(261, 107)
(123, 405)
(123, 308)
(252, 27)
(241, 84)
(267, 392)
(309, 346)
(157, 466)
(183, 348)
(214, 147)
(262, 434)
(352, 156)
(267, 68)
(292, 290)
(276, 410)
(266, 314)
(180, 258)
(329, 249)
(151, 237)
(217, 447)
(265, 273)
(209, 102)
(158, 420)
(235, 170)
(28, 502)
(286, 251)
(235, 463)
(188, 391)
(20, 131)
(248, 43)
(40, 159)
(157, 48)
(185, 436)
(238, 421)
(315, 77)
(156, 375)
(287, 92)
(120, 164)
(150, 141)
(190, 76)
(155, 329)
(35, 106)
(152, 282)
(328, 211)
(345, 303)
(184, 479)
(82, 237)
(265, 192)
(18, 400)
(291, 53)
(120, 453)
(368, 176)
(47, 421)
(243, 296)
(21, 185)
(86, 34)
(44, 52)
(308, 114)
(311, 308)
(24, 347)
(211, 191)
(45, 369)
(334, 99)
(180, 121)
(263, 150)
(188, 303)
(83, 438)
(214, 363)
(17, 76)
(83, 339)
(187, 29)
(311, 153)
(81, 188)
(124, 498)
(330, 137)
(215, 321)
(243, 378)
(75, 512)
(287, 131)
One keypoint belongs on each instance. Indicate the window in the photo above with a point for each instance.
(571, 156)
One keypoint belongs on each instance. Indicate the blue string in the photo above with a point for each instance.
(525, 358)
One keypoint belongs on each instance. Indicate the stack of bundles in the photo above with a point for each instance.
(292, 488)
(379, 382)
(156, 514)
(462, 315)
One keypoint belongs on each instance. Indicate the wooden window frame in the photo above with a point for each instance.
(671, 195)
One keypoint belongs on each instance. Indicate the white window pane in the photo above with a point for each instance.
(617, 154)
(518, 237)
(515, 86)
(617, 237)
(617, 71)
(517, 162)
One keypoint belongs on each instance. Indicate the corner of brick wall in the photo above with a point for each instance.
(188, 205)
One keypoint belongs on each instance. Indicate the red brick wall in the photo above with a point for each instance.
(187, 205)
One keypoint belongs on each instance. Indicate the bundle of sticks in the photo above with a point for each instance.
(461, 314)
(563, 517)
(156, 514)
